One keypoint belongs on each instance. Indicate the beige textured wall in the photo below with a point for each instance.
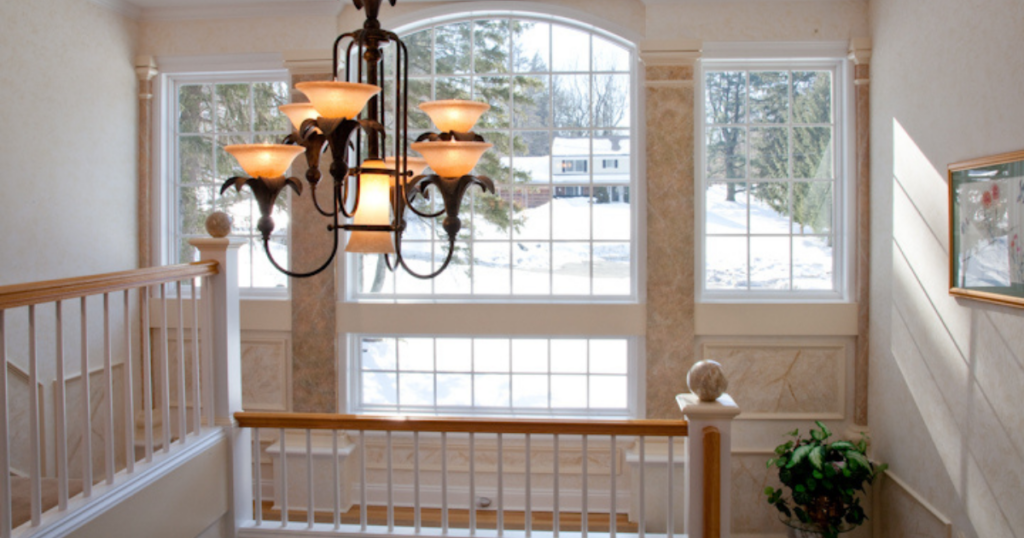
(68, 140)
(235, 36)
(783, 20)
(946, 374)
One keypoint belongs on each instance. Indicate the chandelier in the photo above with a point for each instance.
(371, 192)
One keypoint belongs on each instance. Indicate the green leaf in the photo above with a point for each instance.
(817, 456)
(794, 433)
(818, 475)
(799, 488)
(769, 491)
(798, 455)
(824, 430)
(858, 458)
(842, 445)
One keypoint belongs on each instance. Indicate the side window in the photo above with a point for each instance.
(205, 114)
(773, 182)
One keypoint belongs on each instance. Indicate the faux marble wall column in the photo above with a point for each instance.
(314, 328)
(860, 54)
(670, 226)
(145, 68)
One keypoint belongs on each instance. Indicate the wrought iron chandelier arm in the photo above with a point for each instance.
(401, 261)
(330, 259)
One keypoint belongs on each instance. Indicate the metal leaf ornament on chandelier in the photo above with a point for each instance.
(373, 191)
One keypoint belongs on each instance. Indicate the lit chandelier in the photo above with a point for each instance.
(376, 192)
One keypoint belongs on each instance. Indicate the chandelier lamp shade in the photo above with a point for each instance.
(374, 179)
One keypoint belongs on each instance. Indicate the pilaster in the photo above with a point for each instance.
(669, 142)
(860, 55)
(145, 69)
(314, 325)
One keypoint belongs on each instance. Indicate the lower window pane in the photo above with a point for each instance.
(769, 263)
(725, 263)
(569, 376)
(813, 263)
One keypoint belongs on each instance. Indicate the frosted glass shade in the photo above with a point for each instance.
(298, 113)
(264, 160)
(451, 159)
(338, 100)
(416, 164)
(374, 209)
(454, 114)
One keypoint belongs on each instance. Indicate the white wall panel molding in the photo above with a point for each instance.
(266, 371)
(789, 379)
(778, 319)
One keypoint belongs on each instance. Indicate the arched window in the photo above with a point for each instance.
(561, 225)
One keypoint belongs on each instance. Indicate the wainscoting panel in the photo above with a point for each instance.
(751, 514)
(784, 380)
(266, 372)
(97, 437)
(902, 511)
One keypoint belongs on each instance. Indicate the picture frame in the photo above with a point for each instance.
(986, 229)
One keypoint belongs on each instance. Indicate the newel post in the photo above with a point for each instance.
(708, 473)
(225, 387)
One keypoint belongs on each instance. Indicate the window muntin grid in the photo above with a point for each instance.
(492, 375)
(771, 208)
(548, 233)
(207, 113)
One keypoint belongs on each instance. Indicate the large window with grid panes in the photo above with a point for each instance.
(774, 180)
(562, 227)
(204, 113)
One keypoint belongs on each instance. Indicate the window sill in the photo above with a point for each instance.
(778, 319)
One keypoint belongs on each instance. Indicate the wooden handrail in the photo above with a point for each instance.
(328, 421)
(71, 288)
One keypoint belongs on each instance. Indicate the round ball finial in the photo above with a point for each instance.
(707, 380)
(218, 224)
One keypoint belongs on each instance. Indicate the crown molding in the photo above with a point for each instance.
(307, 8)
(124, 7)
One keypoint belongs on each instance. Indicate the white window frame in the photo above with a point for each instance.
(589, 317)
(786, 56)
(348, 285)
(174, 72)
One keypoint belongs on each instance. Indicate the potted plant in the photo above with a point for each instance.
(823, 480)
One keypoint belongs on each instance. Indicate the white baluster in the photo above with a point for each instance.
(207, 376)
(86, 407)
(309, 478)
(391, 492)
(337, 479)
(555, 516)
(182, 406)
(613, 515)
(671, 488)
(108, 387)
(501, 486)
(147, 375)
(528, 516)
(362, 480)
(129, 397)
(5, 456)
(472, 483)
(642, 523)
(257, 476)
(284, 480)
(585, 491)
(36, 470)
(165, 373)
(416, 480)
(444, 482)
(59, 414)
(197, 419)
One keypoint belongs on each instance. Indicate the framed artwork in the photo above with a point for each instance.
(986, 229)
